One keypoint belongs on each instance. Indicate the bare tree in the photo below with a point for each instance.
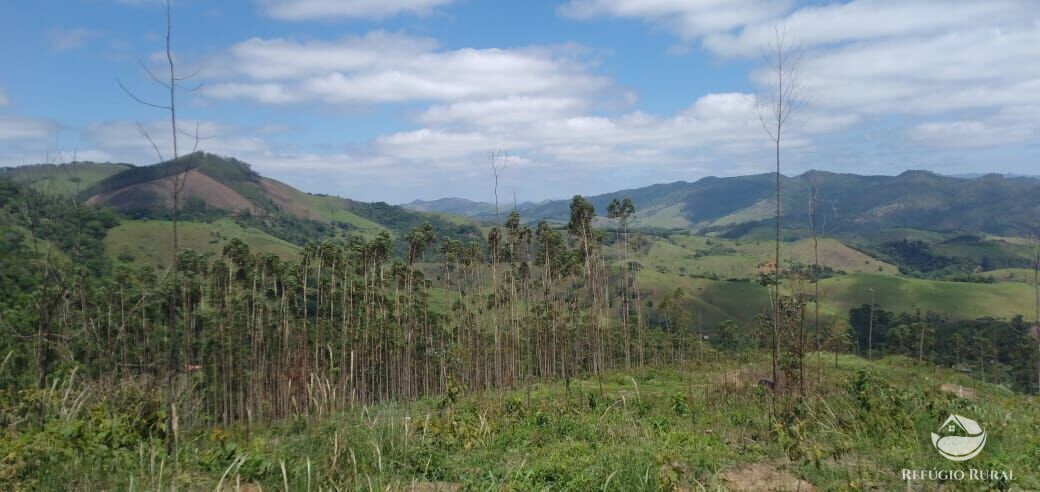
(1036, 293)
(814, 196)
(177, 176)
(498, 159)
(774, 110)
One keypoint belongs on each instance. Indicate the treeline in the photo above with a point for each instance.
(250, 336)
(992, 350)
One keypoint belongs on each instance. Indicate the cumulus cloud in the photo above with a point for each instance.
(298, 10)
(125, 142)
(918, 76)
(382, 67)
(687, 18)
(546, 105)
(716, 125)
(922, 59)
(866, 20)
(507, 110)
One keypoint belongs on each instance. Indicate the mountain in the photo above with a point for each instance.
(736, 206)
(63, 179)
(217, 187)
(455, 206)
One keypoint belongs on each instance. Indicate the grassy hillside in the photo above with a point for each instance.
(63, 179)
(216, 187)
(709, 302)
(958, 300)
(704, 426)
(699, 255)
(141, 242)
(322, 208)
(1011, 275)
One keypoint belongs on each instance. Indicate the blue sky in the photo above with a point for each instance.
(401, 99)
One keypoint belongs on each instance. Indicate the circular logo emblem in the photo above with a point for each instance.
(959, 438)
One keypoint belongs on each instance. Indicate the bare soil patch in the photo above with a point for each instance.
(196, 185)
(764, 476)
(956, 389)
(283, 196)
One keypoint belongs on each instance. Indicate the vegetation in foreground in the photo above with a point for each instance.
(703, 425)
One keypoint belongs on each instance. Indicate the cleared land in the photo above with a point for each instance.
(703, 426)
(142, 242)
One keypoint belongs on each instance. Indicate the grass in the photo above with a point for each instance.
(745, 259)
(958, 300)
(999, 253)
(763, 209)
(710, 302)
(706, 425)
(331, 209)
(1011, 275)
(684, 261)
(142, 242)
(663, 218)
(64, 179)
(896, 234)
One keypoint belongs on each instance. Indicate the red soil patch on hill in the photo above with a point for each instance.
(160, 192)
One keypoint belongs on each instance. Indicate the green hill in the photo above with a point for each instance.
(63, 179)
(958, 300)
(147, 242)
(215, 187)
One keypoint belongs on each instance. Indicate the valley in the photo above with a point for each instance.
(575, 245)
(494, 328)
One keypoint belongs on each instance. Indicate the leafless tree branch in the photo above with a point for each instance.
(139, 100)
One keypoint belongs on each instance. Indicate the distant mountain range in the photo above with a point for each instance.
(216, 186)
(734, 206)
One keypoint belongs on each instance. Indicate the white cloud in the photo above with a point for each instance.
(3, 97)
(719, 125)
(62, 39)
(973, 68)
(125, 142)
(877, 58)
(381, 67)
(267, 93)
(16, 128)
(687, 18)
(517, 109)
(297, 10)
(865, 20)
(1012, 125)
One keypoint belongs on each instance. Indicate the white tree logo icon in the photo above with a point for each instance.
(961, 438)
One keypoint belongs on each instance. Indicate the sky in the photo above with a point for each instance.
(395, 100)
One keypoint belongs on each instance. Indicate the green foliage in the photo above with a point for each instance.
(665, 429)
